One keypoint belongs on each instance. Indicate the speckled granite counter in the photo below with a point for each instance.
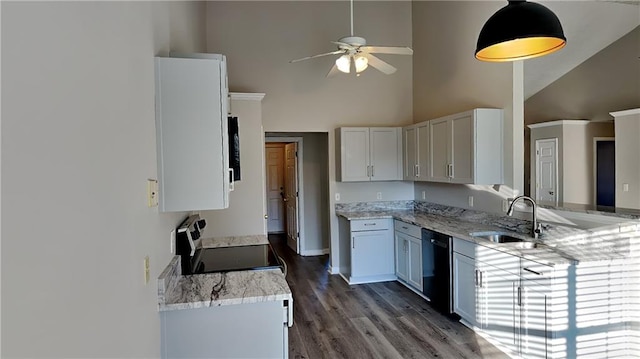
(176, 291)
(558, 245)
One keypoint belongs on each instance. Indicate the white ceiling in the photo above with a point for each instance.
(589, 26)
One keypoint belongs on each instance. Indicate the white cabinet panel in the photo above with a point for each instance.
(464, 288)
(366, 250)
(369, 154)
(191, 130)
(467, 147)
(416, 152)
(415, 263)
(409, 254)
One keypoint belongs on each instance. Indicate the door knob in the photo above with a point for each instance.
(266, 216)
(551, 193)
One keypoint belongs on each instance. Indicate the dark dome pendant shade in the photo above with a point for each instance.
(521, 30)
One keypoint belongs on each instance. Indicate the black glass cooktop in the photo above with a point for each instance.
(224, 259)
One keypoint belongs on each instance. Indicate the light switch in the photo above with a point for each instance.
(379, 195)
(625, 187)
(147, 275)
(152, 193)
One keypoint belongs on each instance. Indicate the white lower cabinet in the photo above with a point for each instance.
(366, 250)
(197, 333)
(465, 289)
(408, 246)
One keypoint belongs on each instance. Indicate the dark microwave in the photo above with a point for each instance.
(234, 148)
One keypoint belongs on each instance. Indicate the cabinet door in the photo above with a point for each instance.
(371, 253)
(422, 151)
(402, 263)
(439, 151)
(415, 263)
(499, 304)
(534, 323)
(192, 138)
(354, 154)
(462, 145)
(410, 151)
(464, 288)
(385, 162)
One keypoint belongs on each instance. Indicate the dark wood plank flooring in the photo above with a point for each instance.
(378, 320)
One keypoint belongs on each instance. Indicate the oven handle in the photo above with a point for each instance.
(286, 268)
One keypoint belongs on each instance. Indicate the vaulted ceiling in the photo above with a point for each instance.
(589, 26)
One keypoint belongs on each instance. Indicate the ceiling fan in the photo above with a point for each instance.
(356, 55)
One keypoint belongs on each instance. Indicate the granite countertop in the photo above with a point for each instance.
(177, 291)
(558, 245)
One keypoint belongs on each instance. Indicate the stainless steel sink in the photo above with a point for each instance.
(500, 237)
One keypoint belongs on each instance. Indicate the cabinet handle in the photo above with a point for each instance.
(403, 227)
(353, 243)
(369, 224)
(481, 280)
(532, 271)
(417, 170)
(476, 277)
(519, 296)
(372, 171)
(450, 170)
(232, 183)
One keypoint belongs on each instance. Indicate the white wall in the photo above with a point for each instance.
(245, 215)
(627, 128)
(448, 79)
(260, 38)
(78, 146)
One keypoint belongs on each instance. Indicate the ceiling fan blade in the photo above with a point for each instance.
(334, 71)
(395, 50)
(381, 65)
(320, 55)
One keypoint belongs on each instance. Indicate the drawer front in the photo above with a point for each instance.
(408, 229)
(370, 224)
(464, 247)
(537, 272)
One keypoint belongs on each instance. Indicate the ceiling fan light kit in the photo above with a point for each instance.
(354, 49)
(519, 31)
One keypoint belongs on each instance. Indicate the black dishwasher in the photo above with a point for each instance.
(437, 271)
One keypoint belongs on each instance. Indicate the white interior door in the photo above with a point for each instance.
(274, 163)
(291, 195)
(547, 170)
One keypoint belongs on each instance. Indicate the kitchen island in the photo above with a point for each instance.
(211, 315)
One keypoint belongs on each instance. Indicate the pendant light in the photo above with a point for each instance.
(521, 30)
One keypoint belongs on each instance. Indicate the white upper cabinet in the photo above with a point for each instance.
(191, 132)
(467, 147)
(416, 152)
(369, 154)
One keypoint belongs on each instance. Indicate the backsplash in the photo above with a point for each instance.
(375, 206)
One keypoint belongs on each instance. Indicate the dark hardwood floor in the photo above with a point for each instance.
(378, 320)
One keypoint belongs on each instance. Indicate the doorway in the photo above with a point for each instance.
(283, 168)
(547, 171)
(604, 150)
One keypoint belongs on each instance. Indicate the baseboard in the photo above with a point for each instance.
(370, 279)
(334, 270)
(314, 252)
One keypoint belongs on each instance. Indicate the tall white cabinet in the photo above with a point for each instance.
(467, 147)
(191, 132)
(368, 154)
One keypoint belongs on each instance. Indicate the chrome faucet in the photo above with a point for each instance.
(537, 227)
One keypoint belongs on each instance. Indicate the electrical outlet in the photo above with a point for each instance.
(505, 205)
(424, 194)
(337, 197)
(379, 195)
(470, 201)
(147, 274)
(172, 238)
(152, 193)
